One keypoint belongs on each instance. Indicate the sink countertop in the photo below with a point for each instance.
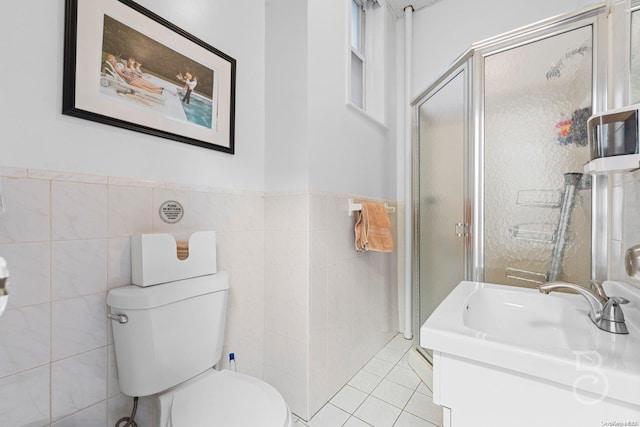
(545, 336)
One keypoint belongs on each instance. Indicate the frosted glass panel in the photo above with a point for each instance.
(441, 126)
(537, 218)
(635, 57)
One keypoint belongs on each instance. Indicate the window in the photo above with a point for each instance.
(366, 57)
(357, 54)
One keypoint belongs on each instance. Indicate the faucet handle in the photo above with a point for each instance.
(612, 311)
(598, 289)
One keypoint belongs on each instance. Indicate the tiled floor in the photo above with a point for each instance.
(385, 393)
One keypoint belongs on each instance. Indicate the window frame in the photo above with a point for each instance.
(359, 53)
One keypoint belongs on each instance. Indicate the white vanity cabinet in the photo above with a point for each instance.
(480, 395)
(506, 356)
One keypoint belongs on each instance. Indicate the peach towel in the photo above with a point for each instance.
(373, 229)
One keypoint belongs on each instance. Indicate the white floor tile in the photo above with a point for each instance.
(422, 388)
(377, 413)
(408, 420)
(349, 398)
(392, 393)
(391, 389)
(356, 422)
(365, 381)
(404, 376)
(423, 407)
(378, 367)
(390, 355)
(399, 343)
(329, 416)
(404, 362)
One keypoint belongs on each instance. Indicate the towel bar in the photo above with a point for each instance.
(353, 207)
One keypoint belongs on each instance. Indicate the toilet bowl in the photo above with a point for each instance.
(224, 398)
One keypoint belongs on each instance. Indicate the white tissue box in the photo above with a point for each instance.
(154, 258)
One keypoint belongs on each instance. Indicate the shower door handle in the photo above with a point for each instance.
(461, 229)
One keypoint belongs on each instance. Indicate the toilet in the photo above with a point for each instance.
(168, 337)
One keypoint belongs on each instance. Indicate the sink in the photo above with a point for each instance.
(517, 317)
(542, 336)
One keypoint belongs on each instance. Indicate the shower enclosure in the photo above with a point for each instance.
(500, 145)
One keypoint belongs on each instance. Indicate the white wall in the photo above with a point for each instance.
(319, 150)
(349, 152)
(448, 28)
(314, 140)
(287, 156)
(36, 135)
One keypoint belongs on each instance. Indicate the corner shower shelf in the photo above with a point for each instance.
(535, 232)
(539, 198)
(626, 162)
(527, 271)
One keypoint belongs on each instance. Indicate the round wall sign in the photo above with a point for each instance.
(171, 211)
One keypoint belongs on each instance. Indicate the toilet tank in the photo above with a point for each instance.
(174, 331)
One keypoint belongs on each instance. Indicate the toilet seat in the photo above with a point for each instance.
(227, 399)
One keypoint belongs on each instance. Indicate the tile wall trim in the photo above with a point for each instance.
(133, 182)
(20, 172)
(331, 194)
(66, 176)
(11, 172)
(51, 175)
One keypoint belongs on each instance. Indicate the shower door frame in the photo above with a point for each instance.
(472, 61)
(463, 65)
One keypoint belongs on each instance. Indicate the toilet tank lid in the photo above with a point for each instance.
(140, 298)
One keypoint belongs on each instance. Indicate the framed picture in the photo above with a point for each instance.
(126, 66)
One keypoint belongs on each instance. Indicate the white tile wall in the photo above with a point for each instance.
(27, 212)
(332, 307)
(78, 325)
(88, 387)
(78, 211)
(92, 416)
(66, 238)
(130, 210)
(625, 229)
(30, 266)
(78, 268)
(25, 398)
(300, 295)
(25, 342)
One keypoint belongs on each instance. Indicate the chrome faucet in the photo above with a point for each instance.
(606, 312)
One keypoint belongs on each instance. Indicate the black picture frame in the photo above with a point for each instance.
(125, 66)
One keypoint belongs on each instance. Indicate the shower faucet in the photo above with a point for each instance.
(606, 312)
(4, 278)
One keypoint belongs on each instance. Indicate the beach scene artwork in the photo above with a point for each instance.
(139, 71)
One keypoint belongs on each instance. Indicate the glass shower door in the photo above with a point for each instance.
(537, 202)
(441, 128)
